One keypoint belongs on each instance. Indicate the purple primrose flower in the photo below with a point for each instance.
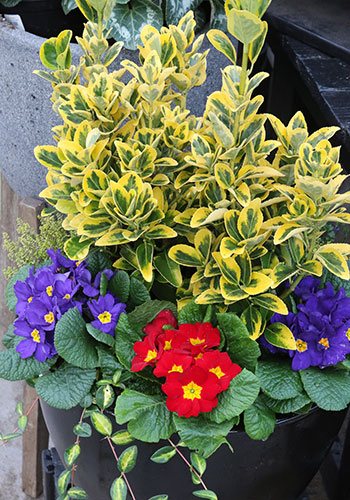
(36, 341)
(106, 311)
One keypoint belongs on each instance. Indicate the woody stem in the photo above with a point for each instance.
(123, 473)
(188, 464)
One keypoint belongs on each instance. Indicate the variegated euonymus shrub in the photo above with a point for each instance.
(206, 204)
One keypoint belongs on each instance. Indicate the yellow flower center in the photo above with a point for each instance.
(192, 391)
(167, 345)
(324, 342)
(36, 336)
(197, 341)
(49, 290)
(150, 356)
(105, 317)
(67, 296)
(49, 317)
(348, 334)
(200, 356)
(217, 371)
(30, 299)
(301, 345)
(176, 368)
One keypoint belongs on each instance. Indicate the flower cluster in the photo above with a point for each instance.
(321, 326)
(51, 291)
(195, 372)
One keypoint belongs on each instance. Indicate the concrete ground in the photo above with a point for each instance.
(11, 452)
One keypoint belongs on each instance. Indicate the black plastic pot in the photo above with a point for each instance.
(46, 17)
(277, 469)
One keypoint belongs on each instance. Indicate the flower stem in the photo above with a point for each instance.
(27, 414)
(123, 473)
(188, 464)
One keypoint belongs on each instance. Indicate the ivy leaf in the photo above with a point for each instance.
(163, 455)
(125, 336)
(71, 454)
(82, 430)
(63, 481)
(120, 285)
(101, 423)
(73, 342)
(259, 421)
(241, 348)
(160, 497)
(328, 388)
(200, 434)
(278, 380)
(241, 393)
(76, 493)
(122, 437)
(65, 387)
(68, 5)
(199, 463)
(176, 9)
(127, 459)
(21, 275)
(205, 494)
(127, 21)
(118, 489)
(13, 367)
(148, 417)
(145, 313)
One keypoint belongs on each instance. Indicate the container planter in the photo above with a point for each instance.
(26, 110)
(45, 17)
(279, 468)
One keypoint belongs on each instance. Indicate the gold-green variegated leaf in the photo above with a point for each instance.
(287, 231)
(296, 248)
(311, 267)
(259, 283)
(48, 54)
(168, 269)
(231, 223)
(224, 175)
(281, 336)
(95, 184)
(256, 45)
(144, 255)
(281, 273)
(209, 296)
(161, 231)
(244, 25)
(127, 20)
(250, 220)
(48, 156)
(222, 133)
(186, 256)
(222, 43)
(270, 302)
(89, 12)
(60, 191)
(114, 237)
(242, 194)
(76, 249)
(334, 261)
(231, 292)
(228, 247)
(252, 319)
(228, 267)
(202, 243)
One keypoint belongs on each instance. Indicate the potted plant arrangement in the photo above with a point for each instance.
(199, 303)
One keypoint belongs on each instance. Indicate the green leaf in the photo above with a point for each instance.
(125, 336)
(73, 342)
(71, 454)
(191, 313)
(68, 5)
(145, 313)
(328, 388)
(176, 9)
(65, 387)
(244, 25)
(286, 405)
(279, 335)
(241, 393)
(148, 417)
(63, 481)
(127, 459)
(10, 339)
(119, 489)
(160, 497)
(21, 275)
(77, 493)
(103, 337)
(205, 494)
(138, 292)
(200, 434)
(122, 437)
(22, 422)
(120, 285)
(19, 408)
(107, 361)
(101, 423)
(11, 435)
(163, 455)
(168, 269)
(259, 421)
(98, 261)
(13, 367)
(199, 463)
(278, 380)
(82, 430)
(241, 348)
(126, 21)
(105, 396)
